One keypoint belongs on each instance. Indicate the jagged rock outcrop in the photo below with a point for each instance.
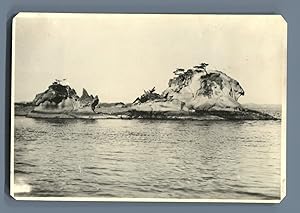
(60, 98)
(197, 89)
(85, 98)
(55, 93)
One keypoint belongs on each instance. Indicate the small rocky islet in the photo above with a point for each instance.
(192, 94)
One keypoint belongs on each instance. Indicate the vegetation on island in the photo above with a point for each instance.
(195, 93)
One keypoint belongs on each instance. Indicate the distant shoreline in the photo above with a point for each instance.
(124, 111)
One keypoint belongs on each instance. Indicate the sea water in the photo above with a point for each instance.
(147, 158)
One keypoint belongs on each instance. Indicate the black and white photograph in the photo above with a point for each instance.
(148, 107)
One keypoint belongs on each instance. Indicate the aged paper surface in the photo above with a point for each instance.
(148, 107)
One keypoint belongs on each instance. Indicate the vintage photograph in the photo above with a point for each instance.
(148, 107)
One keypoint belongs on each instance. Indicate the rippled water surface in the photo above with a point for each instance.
(146, 159)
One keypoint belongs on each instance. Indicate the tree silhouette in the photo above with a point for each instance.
(201, 67)
(179, 71)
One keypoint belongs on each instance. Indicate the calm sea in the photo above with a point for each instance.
(147, 159)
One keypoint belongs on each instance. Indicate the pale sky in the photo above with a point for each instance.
(118, 56)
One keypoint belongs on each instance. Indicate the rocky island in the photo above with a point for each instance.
(192, 94)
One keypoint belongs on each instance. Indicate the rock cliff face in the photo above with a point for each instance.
(59, 98)
(55, 93)
(201, 91)
(196, 90)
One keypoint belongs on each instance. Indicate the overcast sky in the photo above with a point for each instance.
(118, 56)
